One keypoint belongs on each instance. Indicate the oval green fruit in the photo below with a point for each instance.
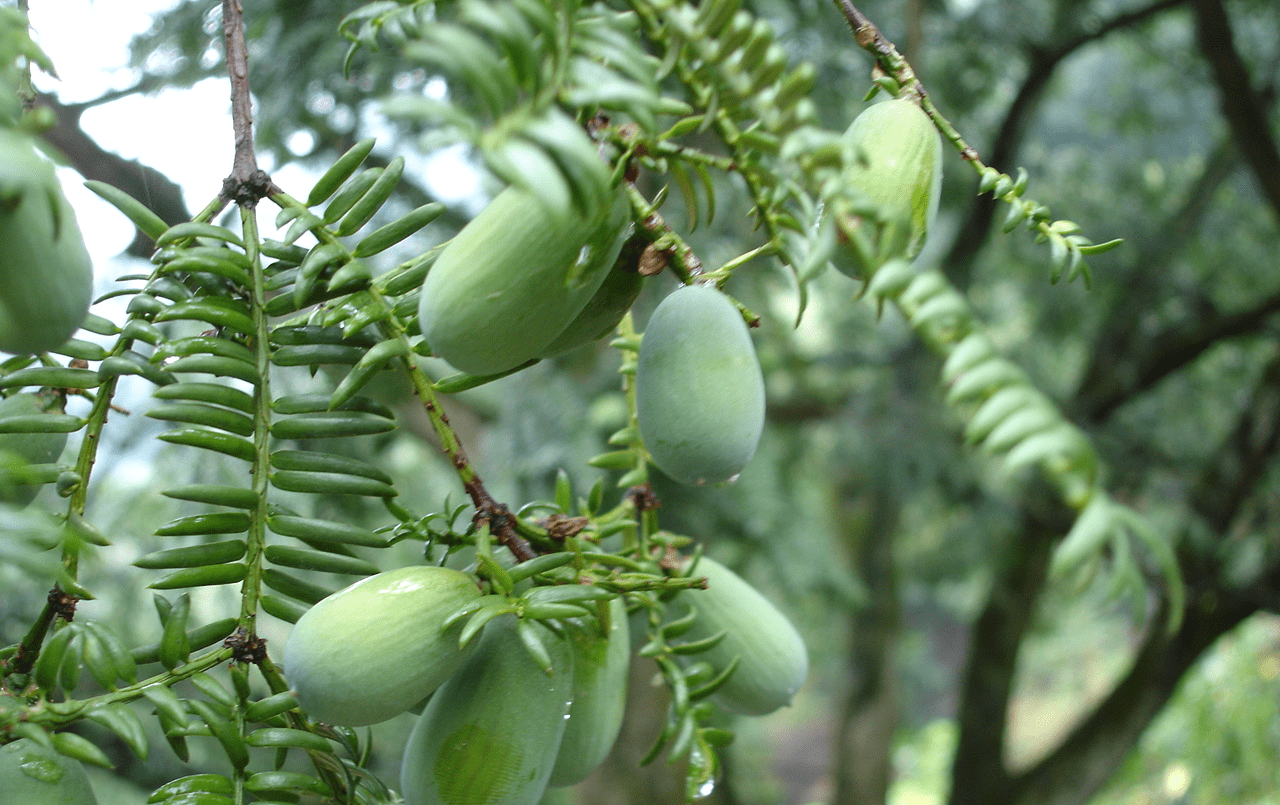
(18, 450)
(490, 734)
(46, 276)
(375, 649)
(31, 774)
(699, 391)
(514, 278)
(611, 301)
(773, 661)
(601, 660)
(893, 159)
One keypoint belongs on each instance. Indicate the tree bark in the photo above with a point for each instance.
(1241, 105)
(978, 774)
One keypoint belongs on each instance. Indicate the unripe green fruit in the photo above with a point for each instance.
(514, 278)
(699, 391)
(375, 649)
(31, 774)
(601, 661)
(46, 277)
(774, 662)
(611, 301)
(17, 450)
(893, 159)
(490, 734)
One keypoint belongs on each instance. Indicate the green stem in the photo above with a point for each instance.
(251, 589)
(69, 711)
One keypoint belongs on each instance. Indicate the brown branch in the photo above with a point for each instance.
(247, 183)
(1243, 457)
(1242, 106)
(1170, 350)
(1044, 61)
(161, 194)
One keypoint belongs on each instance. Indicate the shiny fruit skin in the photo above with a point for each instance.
(699, 390)
(600, 664)
(490, 734)
(31, 774)
(514, 278)
(774, 662)
(46, 276)
(373, 650)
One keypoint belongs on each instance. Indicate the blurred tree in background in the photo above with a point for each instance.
(953, 661)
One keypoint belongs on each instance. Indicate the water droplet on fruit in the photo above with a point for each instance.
(42, 769)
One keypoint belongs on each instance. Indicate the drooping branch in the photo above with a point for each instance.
(1044, 61)
(1242, 106)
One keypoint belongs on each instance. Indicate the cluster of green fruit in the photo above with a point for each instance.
(497, 726)
(529, 279)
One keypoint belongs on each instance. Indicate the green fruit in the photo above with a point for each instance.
(375, 649)
(514, 278)
(490, 734)
(46, 277)
(699, 391)
(31, 774)
(774, 662)
(601, 661)
(893, 160)
(18, 450)
(603, 312)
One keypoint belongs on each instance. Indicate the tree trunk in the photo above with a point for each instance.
(864, 737)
